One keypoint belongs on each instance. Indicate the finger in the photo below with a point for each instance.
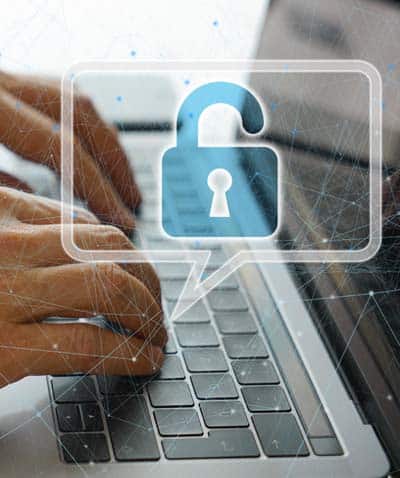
(42, 349)
(32, 209)
(13, 182)
(31, 134)
(81, 290)
(98, 138)
(42, 247)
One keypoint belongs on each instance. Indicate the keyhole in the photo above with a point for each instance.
(219, 181)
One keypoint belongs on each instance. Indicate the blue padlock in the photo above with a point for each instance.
(208, 192)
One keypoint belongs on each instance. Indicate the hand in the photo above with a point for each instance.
(39, 280)
(30, 111)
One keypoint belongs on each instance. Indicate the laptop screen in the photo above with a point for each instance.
(323, 144)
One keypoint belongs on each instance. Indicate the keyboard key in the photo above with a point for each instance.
(230, 283)
(224, 414)
(280, 435)
(239, 443)
(227, 301)
(326, 446)
(178, 422)
(217, 259)
(213, 386)
(92, 417)
(73, 389)
(172, 369)
(255, 371)
(122, 384)
(173, 270)
(84, 448)
(196, 335)
(236, 323)
(270, 398)
(170, 347)
(69, 418)
(196, 314)
(245, 346)
(131, 430)
(170, 394)
(205, 360)
(171, 289)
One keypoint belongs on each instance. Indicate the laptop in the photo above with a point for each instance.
(273, 373)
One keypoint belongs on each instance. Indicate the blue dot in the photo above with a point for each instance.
(133, 53)
(186, 82)
(215, 23)
(294, 131)
(119, 98)
(17, 105)
(391, 67)
(273, 106)
(191, 115)
(56, 127)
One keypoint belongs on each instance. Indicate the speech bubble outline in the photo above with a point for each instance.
(195, 289)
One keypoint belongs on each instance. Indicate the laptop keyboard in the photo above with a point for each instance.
(219, 393)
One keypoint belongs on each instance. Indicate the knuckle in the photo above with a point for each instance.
(112, 274)
(115, 238)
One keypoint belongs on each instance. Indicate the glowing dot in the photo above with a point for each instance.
(371, 293)
(186, 81)
(332, 296)
(119, 98)
(133, 53)
(55, 346)
(324, 240)
(389, 397)
(215, 23)
(11, 291)
(39, 414)
(134, 359)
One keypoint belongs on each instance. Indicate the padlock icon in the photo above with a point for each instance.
(219, 191)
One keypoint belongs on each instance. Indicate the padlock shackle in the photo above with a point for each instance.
(213, 93)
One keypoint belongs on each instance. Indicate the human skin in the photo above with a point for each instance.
(39, 280)
(30, 112)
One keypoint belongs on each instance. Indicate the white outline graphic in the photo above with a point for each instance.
(194, 289)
